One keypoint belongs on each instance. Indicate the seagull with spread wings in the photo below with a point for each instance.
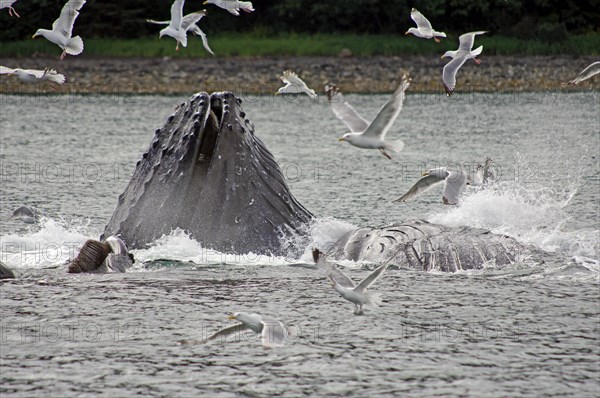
(362, 133)
(459, 57)
(8, 4)
(294, 85)
(233, 6)
(273, 333)
(423, 29)
(455, 182)
(188, 24)
(345, 286)
(62, 30)
(34, 75)
(175, 28)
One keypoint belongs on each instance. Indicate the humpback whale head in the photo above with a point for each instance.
(206, 173)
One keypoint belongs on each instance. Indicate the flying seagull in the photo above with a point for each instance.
(423, 29)
(232, 6)
(294, 85)
(34, 75)
(589, 71)
(273, 333)
(455, 182)
(459, 57)
(175, 28)
(62, 29)
(8, 4)
(365, 135)
(356, 294)
(188, 24)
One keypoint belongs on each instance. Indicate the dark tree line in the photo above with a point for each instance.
(549, 19)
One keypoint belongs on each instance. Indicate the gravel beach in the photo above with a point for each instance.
(375, 74)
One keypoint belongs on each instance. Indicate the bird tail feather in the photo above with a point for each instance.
(74, 46)
(394, 146)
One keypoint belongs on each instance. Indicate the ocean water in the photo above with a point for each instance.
(524, 330)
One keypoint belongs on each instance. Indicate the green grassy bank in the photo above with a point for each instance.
(226, 45)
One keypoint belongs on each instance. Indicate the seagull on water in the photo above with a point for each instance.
(188, 24)
(232, 6)
(356, 294)
(459, 57)
(294, 85)
(455, 182)
(34, 75)
(273, 333)
(8, 4)
(62, 30)
(423, 29)
(365, 135)
(589, 71)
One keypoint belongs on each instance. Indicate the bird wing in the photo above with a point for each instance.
(466, 41)
(389, 113)
(228, 331)
(477, 179)
(454, 186)
(6, 71)
(293, 79)
(419, 19)
(68, 14)
(158, 22)
(332, 270)
(190, 20)
(489, 174)
(176, 14)
(420, 186)
(197, 31)
(449, 74)
(274, 333)
(344, 111)
(588, 72)
(369, 280)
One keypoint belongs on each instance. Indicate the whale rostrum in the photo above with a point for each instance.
(207, 173)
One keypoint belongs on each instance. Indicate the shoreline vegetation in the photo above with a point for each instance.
(248, 64)
(253, 45)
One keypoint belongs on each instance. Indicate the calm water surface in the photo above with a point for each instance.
(526, 330)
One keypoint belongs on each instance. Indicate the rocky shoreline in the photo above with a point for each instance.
(259, 76)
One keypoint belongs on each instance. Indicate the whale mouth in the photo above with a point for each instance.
(210, 134)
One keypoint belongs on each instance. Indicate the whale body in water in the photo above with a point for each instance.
(206, 172)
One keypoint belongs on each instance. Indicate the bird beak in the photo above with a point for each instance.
(34, 36)
(425, 174)
(406, 33)
(230, 317)
(206, 2)
(276, 93)
(442, 57)
(341, 139)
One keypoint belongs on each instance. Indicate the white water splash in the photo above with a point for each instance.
(531, 215)
(179, 246)
(48, 245)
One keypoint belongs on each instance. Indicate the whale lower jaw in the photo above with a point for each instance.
(424, 246)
